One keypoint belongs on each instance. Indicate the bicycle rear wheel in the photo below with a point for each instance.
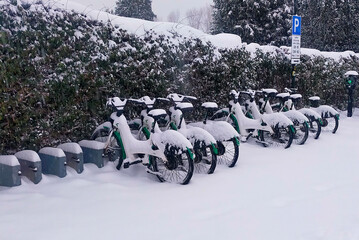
(331, 124)
(228, 152)
(113, 152)
(100, 135)
(282, 137)
(302, 131)
(178, 168)
(315, 128)
(205, 160)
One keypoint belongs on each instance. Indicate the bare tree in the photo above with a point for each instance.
(174, 16)
(200, 18)
(207, 18)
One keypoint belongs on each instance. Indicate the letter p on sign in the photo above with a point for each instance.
(296, 25)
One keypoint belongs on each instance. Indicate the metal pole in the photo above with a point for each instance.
(293, 65)
(350, 103)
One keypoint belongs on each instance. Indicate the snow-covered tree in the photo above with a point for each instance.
(330, 25)
(135, 8)
(263, 22)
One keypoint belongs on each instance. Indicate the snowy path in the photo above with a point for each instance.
(308, 192)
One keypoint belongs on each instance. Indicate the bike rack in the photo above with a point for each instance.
(10, 173)
(53, 161)
(74, 156)
(30, 164)
(93, 152)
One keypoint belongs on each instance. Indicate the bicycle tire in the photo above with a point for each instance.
(205, 160)
(179, 168)
(113, 151)
(315, 128)
(100, 135)
(275, 139)
(302, 132)
(228, 152)
(331, 123)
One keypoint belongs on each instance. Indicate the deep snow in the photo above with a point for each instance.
(306, 192)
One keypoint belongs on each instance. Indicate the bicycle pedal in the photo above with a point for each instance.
(154, 173)
(126, 165)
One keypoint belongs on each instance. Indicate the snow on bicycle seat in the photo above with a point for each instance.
(314, 98)
(157, 114)
(269, 91)
(295, 97)
(184, 106)
(210, 105)
(180, 98)
(283, 96)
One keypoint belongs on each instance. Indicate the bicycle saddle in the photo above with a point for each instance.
(157, 114)
(270, 92)
(184, 107)
(295, 97)
(210, 105)
(283, 96)
(314, 101)
(314, 98)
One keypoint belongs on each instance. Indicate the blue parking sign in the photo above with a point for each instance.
(296, 24)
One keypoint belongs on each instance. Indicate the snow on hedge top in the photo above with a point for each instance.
(175, 31)
(9, 160)
(28, 155)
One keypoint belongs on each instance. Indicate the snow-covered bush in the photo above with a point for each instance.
(58, 67)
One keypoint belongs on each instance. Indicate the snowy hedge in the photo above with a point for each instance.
(57, 68)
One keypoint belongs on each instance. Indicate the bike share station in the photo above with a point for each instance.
(351, 78)
(55, 160)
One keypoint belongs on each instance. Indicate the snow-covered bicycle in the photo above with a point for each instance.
(283, 127)
(204, 144)
(280, 134)
(205, 151)
(226, 136)
(168, 154)
(330, 116)
(315, 121)
(300, 121)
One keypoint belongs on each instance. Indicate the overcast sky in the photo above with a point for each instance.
(162, 8)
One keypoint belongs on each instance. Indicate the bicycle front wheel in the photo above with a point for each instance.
(302, 131)
(228, 152)
(177, 169)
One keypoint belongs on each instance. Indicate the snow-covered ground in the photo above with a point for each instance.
(306, 192)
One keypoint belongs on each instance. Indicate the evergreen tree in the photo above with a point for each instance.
(263, 22)
(330, 25)
(135, 9)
